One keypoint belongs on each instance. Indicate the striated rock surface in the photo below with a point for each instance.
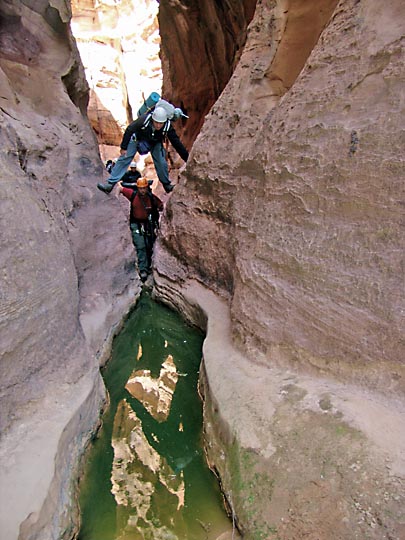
(295, 213)
(291, 209)
(67, 267)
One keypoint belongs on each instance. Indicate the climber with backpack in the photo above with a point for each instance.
(143, 221)
(147, 134)
(131, 176)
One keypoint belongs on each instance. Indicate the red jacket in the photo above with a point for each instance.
(141, 207)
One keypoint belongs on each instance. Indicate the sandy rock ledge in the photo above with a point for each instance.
(297, 456)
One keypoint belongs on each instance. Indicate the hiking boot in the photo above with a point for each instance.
(168, 188)
(105, 188)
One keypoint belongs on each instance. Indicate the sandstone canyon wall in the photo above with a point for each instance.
(291, 209)
(298, 182)
(67, 269)
(67, 260)
(119, 46)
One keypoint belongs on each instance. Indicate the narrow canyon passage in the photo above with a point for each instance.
(283, 235)
(146, 474)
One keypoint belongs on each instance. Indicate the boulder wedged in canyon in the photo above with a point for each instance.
(67, 263)
(291, 209)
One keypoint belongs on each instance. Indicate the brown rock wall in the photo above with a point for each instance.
(201, 45)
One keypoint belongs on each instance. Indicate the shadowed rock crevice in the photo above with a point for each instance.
(53, 18)
(77, 94)
(201, 45)
(213, 37)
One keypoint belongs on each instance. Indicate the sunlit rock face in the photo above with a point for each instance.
(119, 47)
(66, 265)
(137, 472)
(155, 394)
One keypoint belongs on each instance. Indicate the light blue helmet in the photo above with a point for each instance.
(159, 115)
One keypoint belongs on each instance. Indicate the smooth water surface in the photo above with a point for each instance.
(146, 475)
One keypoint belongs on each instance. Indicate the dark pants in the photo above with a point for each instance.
(143, 239)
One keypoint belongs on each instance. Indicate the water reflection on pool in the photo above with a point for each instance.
(146, 476)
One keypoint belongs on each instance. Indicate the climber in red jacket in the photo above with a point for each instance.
(144, 221)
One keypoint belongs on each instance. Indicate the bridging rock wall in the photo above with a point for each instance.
(291, 200)
(291, 209)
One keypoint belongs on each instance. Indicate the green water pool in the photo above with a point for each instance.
(146, 475)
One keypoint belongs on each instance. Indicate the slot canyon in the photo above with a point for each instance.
(283, 240)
